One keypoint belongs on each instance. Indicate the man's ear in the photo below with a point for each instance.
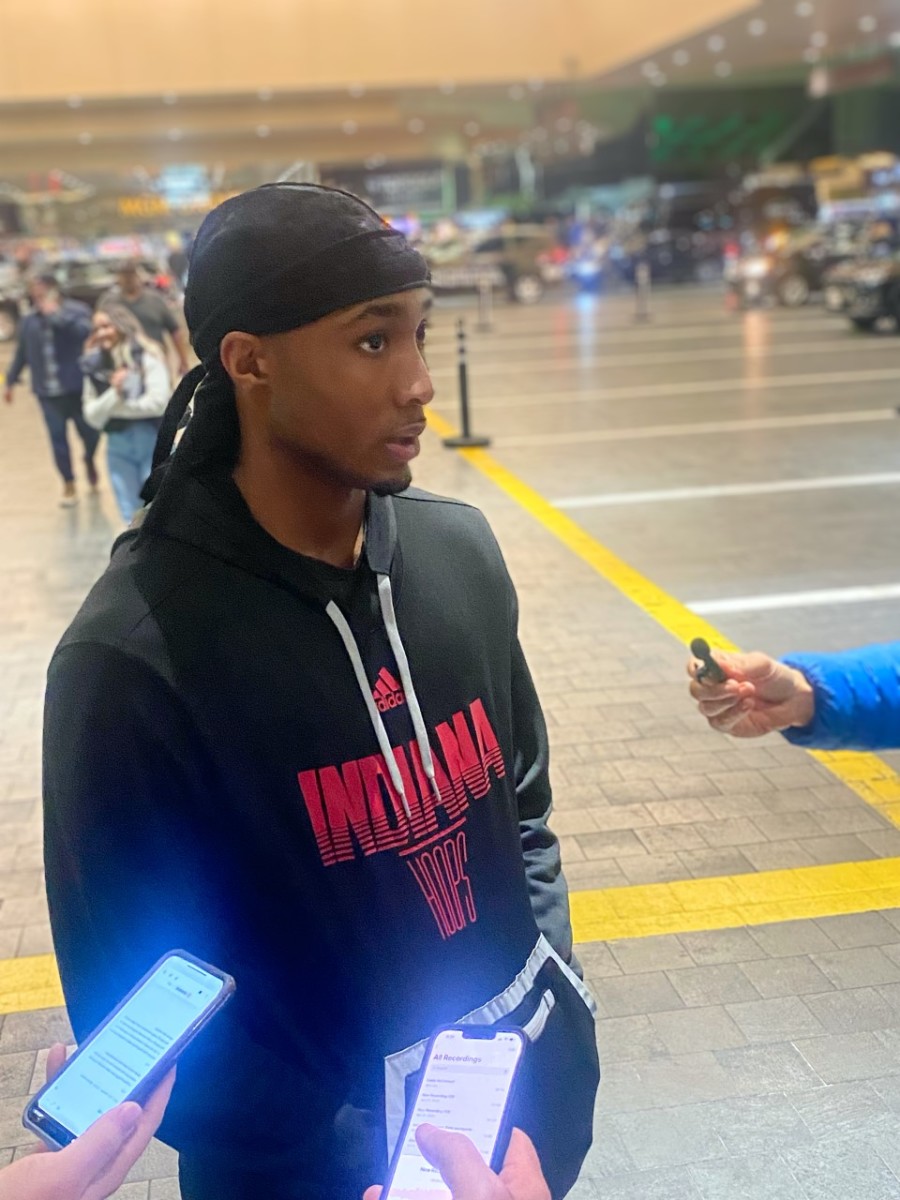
(242, 355)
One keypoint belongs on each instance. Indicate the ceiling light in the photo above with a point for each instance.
(716, 44)
(85, 138)
(819, 38)
(169, 98)
(894, 40)
(681, 58)
(724, 69)
(448, 88)
(263, 131)
(757, 27)
(265, 94)
(175, 135)
(350, 127)
(650, 69)
(357, 91)
(805, 8)
(74, 102)
(660, 80)
(376, 161)
(416, 125)
(535, 84)
(516, 92)
(867, 24)
(812, 55)
(472, 128)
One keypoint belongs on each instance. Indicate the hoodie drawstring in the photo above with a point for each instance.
(390, 623)
(388, 615)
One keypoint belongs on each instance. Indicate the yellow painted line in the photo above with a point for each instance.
(693, 905)
(866, 774)
(687, 906)
(29, 983)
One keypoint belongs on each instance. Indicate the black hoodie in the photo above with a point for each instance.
(219, 722)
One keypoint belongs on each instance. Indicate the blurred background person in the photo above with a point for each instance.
(126, 389)
(155, 316)
(51, 339)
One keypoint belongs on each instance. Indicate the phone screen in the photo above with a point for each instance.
(134, 1041)
(465, 1088)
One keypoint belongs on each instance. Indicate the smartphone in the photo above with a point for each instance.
(130, 1053)
(466, 1087)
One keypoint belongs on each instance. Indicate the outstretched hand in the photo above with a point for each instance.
(760, 695)
(95, 1164)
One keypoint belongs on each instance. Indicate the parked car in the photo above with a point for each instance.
(523, 260)
(792, 274)
(869, 291)
(673, 255)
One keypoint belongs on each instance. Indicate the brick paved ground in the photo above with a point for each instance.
(758, 1063)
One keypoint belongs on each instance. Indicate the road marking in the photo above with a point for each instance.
(578, 358)
(734, 901)
(29, 983)
(577, 332)
(696, 429)
(823, 597)
(702, 387)
(721, 491)
(865, 774)
(685, 906)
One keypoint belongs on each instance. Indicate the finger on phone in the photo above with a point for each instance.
(156, 1104)
(56, 1060)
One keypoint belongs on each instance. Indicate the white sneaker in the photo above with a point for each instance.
(69, 496)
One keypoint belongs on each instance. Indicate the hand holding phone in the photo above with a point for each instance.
(466, 1087)
(95, 1165)
(133, 1050)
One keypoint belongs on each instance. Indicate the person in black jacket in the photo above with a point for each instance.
(292, 730)
(51, 342)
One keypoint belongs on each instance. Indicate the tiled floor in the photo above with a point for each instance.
(758, 1062)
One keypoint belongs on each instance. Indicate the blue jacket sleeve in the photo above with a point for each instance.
(857, 699)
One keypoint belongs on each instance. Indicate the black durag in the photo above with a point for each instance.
(267, 261)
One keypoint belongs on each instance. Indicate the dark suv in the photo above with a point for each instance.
(869, 291)
(793, 273)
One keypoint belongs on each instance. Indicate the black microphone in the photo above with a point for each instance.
(710, 671)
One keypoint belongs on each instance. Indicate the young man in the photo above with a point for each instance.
(292, 730)
(51, 342)
(156, 318)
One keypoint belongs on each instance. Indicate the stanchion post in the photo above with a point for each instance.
(642, 279)
(465, 438)
(485, 305)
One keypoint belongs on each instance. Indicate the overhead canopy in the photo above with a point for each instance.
(108, 48)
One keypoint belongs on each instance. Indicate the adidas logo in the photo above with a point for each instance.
(388, 693)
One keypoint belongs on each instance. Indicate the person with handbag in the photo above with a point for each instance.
(126, 389)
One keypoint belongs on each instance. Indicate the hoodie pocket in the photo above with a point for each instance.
(530, 1002)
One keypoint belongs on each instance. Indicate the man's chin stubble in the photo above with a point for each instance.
(391, 487)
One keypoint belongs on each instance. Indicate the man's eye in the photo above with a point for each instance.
(374, 342)
(422, 333)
